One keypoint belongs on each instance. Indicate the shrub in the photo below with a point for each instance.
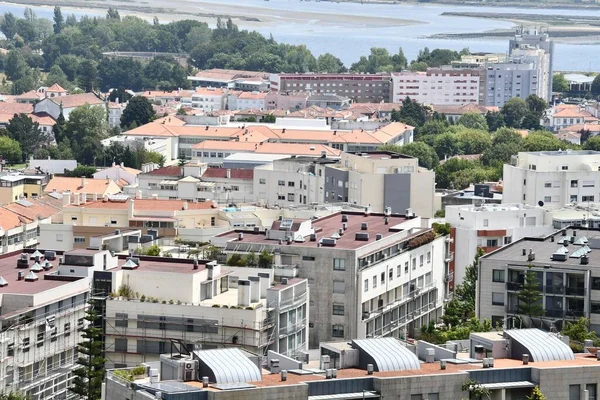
(143, 298)
(421, 240)
(139, 370)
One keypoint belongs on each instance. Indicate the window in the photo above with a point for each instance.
(120, 344)
(339, 264)
(595, 283)
(524, 182)
(366, 285)
(308, 258)
(374, 281)
(428, 257)
(414, 263)
(291, 197)
(406, 267)
(73, 218)
(486, 222)
(595, 307)
(262, 181)
(574, 183)
(79, 240)
(565, 167)
(548, 184)
(337, 331)
(574, 392)
(121, 320)
(291, 184)
(492, 243)
(573, 198)
(398, 270)
(587, 198)
(498, 275)
(59, 237)
(281, 197)
(507, 239)
(391, 274)
(497, 299)
(591, 388)
(547, 199)
(497, 321)
(338, 309)
(339, 287)
(421, 260)
(382, 278)
(67, 329)
(281, 183)
(588, 184)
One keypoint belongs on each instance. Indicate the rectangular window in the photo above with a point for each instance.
(291, 184)
(398, 270)
(595, 283)
(591, 388)
(382, 278)
(308, 258)
(374, 281)
(573, 198)
(337, 331)
(291, 196)
(548, 184)
(79, 240)
(547, 199)
(492, 243)
(574, 183)
(338, 309)
(339, 264)
(262, 181)
(497, 299)
(565, 167)
(486, 222)
(498, 275)
(366, 285)
(120, 344)
(391, 274)
(588, 184)
(414, 263)
(339, 287)
(587, 198)
(428, 257)
(574, 392)
(121, 320)
(421, 260)
(406, 267)
(507, 239)
(595, 307)
(59, 237)
(280, 183)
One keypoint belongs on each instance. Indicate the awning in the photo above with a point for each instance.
(160, 219)
(508, 385)
(343, 396)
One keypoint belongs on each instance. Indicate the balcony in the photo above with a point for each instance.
(295, 301)
(513, 286)
(554, 289)
(292, 328)
(555, 313)
(574, 313)
(396, 303)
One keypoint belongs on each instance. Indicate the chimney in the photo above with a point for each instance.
(369, 369)
(83, 181)
(196, 264)
(265, 281)
(205, 381)
(228, 173)
(276, 257)
(131, 208)
(254, 288)
(76, 199)
(185, 206)
(138, 194)
(66, 198)
(525, 359)
(283, 375)
(243, 292)
(83, 198)
(240, 236)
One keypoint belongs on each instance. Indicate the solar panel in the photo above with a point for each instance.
(25, 203)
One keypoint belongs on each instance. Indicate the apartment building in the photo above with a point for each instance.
(552, 178)
(209, 99)
(361, 88)
(289, 130)
(54, 106)
(380, 368)
(286, 100)
(248, 100)
(454, 112)
(537, 40)
(563, 116)
(14, 187)
(489, 227)
(370, 275)
(41, 315)
(565, 267)
(118, 173)
(381, 180)
(444, 86)
(91, 188)
(154, 301)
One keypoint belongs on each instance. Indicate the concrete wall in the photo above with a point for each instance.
(397, 192)
(440, 352)
(447, 386)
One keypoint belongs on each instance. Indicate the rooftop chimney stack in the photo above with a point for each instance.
(244, 292)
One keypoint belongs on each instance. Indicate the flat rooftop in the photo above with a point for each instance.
(10, 272)
(544, 248)
(169, 265)
(327, 226)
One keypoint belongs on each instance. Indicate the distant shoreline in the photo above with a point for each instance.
(474, 3)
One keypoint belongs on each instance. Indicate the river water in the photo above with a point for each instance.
(350, 42)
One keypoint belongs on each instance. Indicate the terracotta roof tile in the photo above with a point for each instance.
(77, 100)
(10, 220)
(172, 170)
(56, 88)
(92, 186)
(38, 209)
(236, 173)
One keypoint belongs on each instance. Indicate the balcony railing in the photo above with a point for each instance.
(293, 301)
(575, 291)
(514, 286)
(399, 301)
(557, 314)
(292, 328)
(555, 289)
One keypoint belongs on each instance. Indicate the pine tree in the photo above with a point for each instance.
(88, 379)
(530, 296)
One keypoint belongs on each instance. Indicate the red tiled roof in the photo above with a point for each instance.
(172, 170)
(236, 173)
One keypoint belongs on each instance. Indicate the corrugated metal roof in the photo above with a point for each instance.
(541, 346)
(230, 365)
(388, 354)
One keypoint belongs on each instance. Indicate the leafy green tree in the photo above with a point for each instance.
(16, 67)
(138, 110)
(113, 13)
(462, 306)
(379, 60)
(56, 75)
(22, 129)
(536, 105)
(59, 21)
(596, 86)
(26, 83)
(87, 75)
(495, 120)
(578, 332)
(446, 145)
(536, 394)
(559, 83)
(473, 121)
(82, 171)
(418, 66)
(58, 130)
(531, 121)
(265, 259)
(10, 150)
(69, 64)
(87, 126)
(329, 63)
(88, 378)
(514, 110)
(426, 155)
(8, 26)
(592, 143)
(119, 94)
(432, 128)
(197, 35)
(13, 396)
(542, 141)
(411, 113)
(473, 141)
(530, 296)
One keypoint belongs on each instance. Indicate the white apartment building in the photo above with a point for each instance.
(41, 315)
(489, 227)
(518, 78)
(552, 178)
(209, 99)
(248, 100)
(437, 86)
(370, 275)
(208, 304)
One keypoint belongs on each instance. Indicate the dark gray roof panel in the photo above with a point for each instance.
(229, 365)
(388, 354)
(542, 346)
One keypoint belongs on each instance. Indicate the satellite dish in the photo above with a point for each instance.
(541, 203)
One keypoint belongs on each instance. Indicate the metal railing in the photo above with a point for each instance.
(401, 300)
(293, 301)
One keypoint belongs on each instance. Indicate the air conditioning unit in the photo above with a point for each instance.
(187, 369)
